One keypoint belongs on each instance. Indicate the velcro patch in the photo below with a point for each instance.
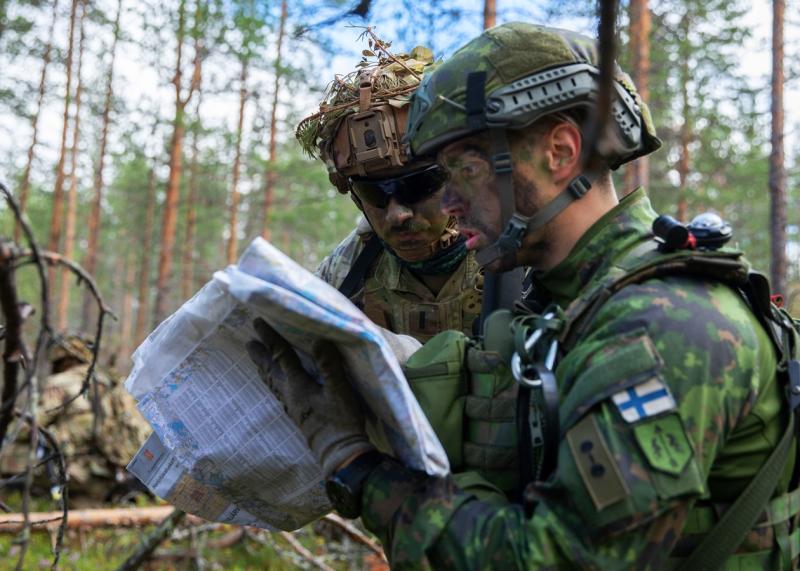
(644, 400)
(665, 444)
(599, 472)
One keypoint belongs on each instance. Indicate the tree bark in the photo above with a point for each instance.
(686, 129)
(269, 186)
(233, 217)
(26, 173)
(638, 172)
(58, 191)
(777, 169)
(72, 197)
(187, 262)
(93, 226)
(126, 320)
(169, 223)
(489, 14)
(144, 266)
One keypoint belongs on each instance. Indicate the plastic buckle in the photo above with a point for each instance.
(579, 186)
(501, 162)
(511, 238)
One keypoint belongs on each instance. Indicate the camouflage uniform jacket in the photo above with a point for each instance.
(630, 484)
(394, 298)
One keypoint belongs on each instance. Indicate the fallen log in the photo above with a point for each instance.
(106, 517)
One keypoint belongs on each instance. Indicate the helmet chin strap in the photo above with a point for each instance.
(507, 245)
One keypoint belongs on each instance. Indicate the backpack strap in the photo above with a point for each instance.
(354, 279)
(646, 262)
(722, 541)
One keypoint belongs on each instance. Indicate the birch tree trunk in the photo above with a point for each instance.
(93, 226)
(26, 173)
(777, 169)
(269, 179)
(58, 192)
(62, 313)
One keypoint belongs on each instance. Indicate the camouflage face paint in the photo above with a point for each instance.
(408, 227)
(471, 191)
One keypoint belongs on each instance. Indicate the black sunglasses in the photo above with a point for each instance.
(406, 189)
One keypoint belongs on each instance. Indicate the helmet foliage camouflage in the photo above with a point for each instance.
(361, 122)
(531, 71)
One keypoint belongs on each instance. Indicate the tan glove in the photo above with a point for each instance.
(326, 412)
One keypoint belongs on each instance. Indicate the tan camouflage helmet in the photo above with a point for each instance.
(361, 122)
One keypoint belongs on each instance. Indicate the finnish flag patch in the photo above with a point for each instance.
(644, 400)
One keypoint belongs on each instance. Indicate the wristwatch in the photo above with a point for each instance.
(344, 487)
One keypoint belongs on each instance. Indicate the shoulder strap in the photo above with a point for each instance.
(727, 535)
(645, 262)
(355, 277)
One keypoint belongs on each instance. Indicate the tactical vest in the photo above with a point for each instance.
(480, 427)
(382, 297)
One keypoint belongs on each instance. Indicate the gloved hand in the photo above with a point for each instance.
(328, 414)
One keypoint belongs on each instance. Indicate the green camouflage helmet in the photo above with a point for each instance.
(530, 71)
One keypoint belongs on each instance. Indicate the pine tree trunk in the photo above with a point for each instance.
(125, 343)
(233, 217)
(58, 192)
(26, 173)
(93, 226)
(686, 129)
(169, 223)
(72, 198)
(144, 266)
(187, 262)
(638, 172)
(489, 14)
(777, 169)
(269, 186)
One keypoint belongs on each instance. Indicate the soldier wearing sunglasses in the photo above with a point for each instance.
(405, 265)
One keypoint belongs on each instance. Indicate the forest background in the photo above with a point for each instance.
(151, 141)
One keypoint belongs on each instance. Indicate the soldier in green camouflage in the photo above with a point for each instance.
(668, 394)
(407, 265)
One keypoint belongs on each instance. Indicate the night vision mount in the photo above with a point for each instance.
(529, 98)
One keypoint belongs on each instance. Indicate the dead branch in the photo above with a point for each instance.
(152, 541)
(53, 258)
(63, 488)
(303, 552)
(354, 533)
(15, 351)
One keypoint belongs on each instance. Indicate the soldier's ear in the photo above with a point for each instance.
(563, 151)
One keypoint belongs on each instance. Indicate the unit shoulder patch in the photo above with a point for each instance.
(664, 443)
(644, 400)
(596, 465)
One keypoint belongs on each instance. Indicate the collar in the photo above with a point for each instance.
(610, 238)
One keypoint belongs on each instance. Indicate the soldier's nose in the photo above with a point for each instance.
(397, 213)
(452, 202)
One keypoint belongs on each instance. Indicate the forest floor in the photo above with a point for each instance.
(205, 547)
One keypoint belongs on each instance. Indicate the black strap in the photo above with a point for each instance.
(354, 279)
(475, 102)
